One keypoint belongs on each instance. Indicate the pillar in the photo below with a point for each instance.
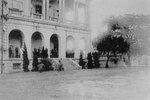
(61, 5)
(47, 10)
(43, 9)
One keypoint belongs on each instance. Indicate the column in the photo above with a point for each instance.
(47, 10)
(47, 41)
(43, 9)
(28, 45)
(87, 13)
(60, 10)
(77, 51)
(76, 10)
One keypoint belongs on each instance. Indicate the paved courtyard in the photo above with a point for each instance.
(98, 84)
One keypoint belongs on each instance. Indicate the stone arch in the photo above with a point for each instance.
(16, 40)
(37, 40)
(70, 47)
(54, 46)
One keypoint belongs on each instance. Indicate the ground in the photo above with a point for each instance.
(131, 83)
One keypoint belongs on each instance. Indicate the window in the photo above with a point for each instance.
(17, 54)
(81, 12)
(69, 10)
(37, 6)
(11, 52)
(16, 66)
(38, 9)
(53, 10)
(17, 5)
(14, 52)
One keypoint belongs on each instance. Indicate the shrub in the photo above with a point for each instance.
(90, 61)
(35, 60)
(81, 61)
(96, 59)
(47, 64)
(69, 54)
(25, 59)
(60, 66)
(113, 45)
(115, 60)
(44, 53)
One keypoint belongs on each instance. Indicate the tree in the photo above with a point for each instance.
(90, 61)
(35, 60)
(112, 45)
(25, 59)
(44, 53)
(135, 30)
(81, 61)
(44, 61)
(96, 59)
(38, 53)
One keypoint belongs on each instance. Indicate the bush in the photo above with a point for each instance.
(96, 59)
(41, 67)
(114, 60)
(69, 54)
(90, 61)
(47, 64)
(35, 60)
(54, 53)
(44, 53)
(25, 59)
(81, 61)
(60, 67)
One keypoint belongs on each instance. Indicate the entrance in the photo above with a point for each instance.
(54, 46)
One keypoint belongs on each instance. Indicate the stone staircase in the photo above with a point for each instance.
(68, 63)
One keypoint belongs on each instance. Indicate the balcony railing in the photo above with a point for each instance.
(54, 15)
(37, 16)
(53, 19)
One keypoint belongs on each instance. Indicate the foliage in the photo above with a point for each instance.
(96, 59)
(69, 54)
(44, 64)
(35, 60)
(47, 65)
(135, 30)
(44, 53)
(81, 61)
(60, 67)
(38, 53)
(54, 53)
(90, 61)
(111, 45)
(25, 59)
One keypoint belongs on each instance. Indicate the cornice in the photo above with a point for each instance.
(52, 23)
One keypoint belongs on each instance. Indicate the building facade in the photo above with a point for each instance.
(61, 26)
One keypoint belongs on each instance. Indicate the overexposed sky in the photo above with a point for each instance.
(100, 10)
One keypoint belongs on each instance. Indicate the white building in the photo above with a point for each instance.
(62, 25)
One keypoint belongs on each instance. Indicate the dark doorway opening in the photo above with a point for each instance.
(54, 45)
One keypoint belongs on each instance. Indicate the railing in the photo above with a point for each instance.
(37, 16)
(75, 64)
(53, 19)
